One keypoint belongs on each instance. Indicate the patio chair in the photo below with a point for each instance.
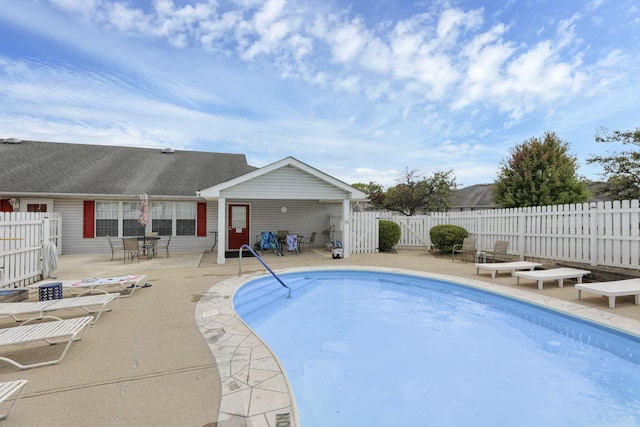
(58, 331)
(8, 390)
(162, 246)
(268, 240)
(115, 246)
(292, 243)
(499, 250)
(131, 248)
(468, 247)
(312, 242)
(150, 244)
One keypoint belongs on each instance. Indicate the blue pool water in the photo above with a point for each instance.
(382, 349)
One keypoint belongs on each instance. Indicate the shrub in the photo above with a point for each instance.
(444, 237)
(389, 235)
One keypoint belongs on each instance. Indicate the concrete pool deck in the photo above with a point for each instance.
(147, 363)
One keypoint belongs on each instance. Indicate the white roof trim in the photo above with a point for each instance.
(213, 193)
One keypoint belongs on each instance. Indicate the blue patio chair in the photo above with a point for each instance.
(268, 240)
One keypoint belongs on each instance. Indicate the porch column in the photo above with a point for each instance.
(222, 229)
(346, 228)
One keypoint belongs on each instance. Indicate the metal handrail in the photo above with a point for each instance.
(250, 249)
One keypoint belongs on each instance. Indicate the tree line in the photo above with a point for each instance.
(538, 172)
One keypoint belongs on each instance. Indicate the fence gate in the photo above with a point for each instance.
(22, 239)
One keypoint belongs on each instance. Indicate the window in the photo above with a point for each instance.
(120, 219)
(162, 218)
(185, 219)
(107, 219)
(130, 224)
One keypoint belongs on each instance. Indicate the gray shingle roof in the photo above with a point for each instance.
(480, 196)
(51, 167)
(477, 196)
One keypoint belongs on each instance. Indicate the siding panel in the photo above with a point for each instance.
(285, 183)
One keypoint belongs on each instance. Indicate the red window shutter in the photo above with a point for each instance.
(88, 219)
(5, 206)
(201, 226)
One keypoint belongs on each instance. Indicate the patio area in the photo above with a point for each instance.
(147, 363)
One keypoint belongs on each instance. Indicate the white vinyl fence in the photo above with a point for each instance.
(23, 236)
(603, 233)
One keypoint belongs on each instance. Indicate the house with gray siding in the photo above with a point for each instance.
(194, 197)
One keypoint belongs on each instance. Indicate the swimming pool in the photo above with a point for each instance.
(363, 348)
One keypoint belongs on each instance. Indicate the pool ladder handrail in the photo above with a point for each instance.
(250, 249)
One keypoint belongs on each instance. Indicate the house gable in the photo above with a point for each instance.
(286, 179)
(285, 183)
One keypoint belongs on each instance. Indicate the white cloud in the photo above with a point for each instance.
(307, 80)
(453, 21)
(347, 40)
(86, 8)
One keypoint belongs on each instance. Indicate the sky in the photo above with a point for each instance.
(363, 90)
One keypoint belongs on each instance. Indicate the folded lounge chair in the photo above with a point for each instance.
(558, 274)
(8, 390)
(92, 304)
(507, 266)
(612, 289)
(127, 284)
(58, 331)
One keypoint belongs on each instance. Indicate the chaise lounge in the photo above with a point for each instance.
(127, 284)
(92, 304)
(8, 390)
(558, 274)
(57, 331)
(612, 289)
(507, 266)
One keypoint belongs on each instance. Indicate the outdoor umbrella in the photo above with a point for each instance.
(144, 214)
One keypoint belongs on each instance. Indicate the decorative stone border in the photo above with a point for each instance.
(255, 389)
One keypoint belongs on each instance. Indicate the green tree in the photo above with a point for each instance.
(539, 172)
(415, 194)
(621, 169)
(374, 192)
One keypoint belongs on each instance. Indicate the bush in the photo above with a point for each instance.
(389, 235)
(444, 237)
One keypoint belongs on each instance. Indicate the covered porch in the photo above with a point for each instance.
(285, 195)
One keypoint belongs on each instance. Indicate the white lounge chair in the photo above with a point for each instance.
(612, 289)
(126, 284)
(54, 332)
(92, 304)
(558, 274)
(507, 266)
(8, 390)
